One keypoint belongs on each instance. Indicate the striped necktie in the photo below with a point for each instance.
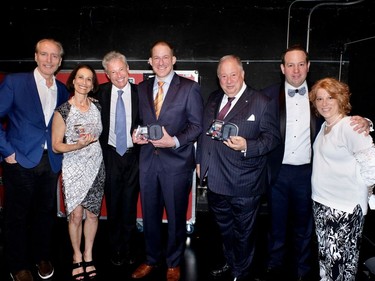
(225, 109)
(159, 99)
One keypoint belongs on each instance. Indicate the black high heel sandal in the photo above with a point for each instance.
(78, 276)
(90, 274)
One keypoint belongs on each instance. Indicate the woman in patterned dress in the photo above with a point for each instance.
(342, 179)
(75, 130)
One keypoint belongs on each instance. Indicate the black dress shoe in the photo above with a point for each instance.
(306, 278)
(244, 278)
(221, 271)
(129, 259)
(45, 269)
(309, 276)
(117, 259)
(274, 274)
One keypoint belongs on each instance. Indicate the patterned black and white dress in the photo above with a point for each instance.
(83, 170)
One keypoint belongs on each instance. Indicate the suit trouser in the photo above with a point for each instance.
(121, 193)
(236, 217)
(291, 218)
(30, 212)
(159, 189)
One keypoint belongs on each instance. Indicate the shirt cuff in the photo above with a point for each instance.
(177, 142)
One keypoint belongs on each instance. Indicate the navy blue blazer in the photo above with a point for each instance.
(181, 115)
(230, 172)
(26, 131)
(277, 93)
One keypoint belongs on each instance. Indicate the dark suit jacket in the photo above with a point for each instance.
(229, 171)
(103, 95)
(181, 115)
(277, 93)
(26, 131)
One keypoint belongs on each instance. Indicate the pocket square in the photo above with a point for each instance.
(251, 118)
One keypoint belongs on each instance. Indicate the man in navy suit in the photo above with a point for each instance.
(122, 175)
(167, 164)
(289, 170)
(235, 167)
(30, 167)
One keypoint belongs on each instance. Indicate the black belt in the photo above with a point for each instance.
(129, 150)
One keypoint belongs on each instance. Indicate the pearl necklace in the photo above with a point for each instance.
(326, 125)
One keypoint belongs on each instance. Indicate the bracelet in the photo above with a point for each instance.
(371, 125)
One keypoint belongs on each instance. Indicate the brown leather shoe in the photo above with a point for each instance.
(142, 271)
(173, 273)
(22, 275)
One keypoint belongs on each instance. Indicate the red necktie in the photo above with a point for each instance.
(225, 109)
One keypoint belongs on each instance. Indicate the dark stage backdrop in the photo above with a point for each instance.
(201, 30)
(362, 78)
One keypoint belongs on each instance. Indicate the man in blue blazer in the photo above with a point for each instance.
(167, 164)
(235, 167)
(30, 167)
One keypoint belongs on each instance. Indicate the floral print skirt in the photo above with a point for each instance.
(339, 236)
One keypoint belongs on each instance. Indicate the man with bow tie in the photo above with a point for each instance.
(289, 171)
(235, 168)
(301, 91)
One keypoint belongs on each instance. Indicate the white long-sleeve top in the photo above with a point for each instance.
(343, 167)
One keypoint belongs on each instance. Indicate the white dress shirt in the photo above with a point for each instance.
(297, 136)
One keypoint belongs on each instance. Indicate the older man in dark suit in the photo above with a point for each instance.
(167, 163)
(235, 166)
(121, 156)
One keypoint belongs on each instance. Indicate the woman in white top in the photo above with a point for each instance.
(343, 171)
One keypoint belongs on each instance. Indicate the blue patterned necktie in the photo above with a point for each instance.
(301, 91)
(120, 125)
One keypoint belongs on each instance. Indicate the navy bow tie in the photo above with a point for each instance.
(301, 91)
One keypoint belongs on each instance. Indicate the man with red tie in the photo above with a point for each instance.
(234, 162)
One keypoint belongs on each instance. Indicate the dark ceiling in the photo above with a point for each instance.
(202, 31)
